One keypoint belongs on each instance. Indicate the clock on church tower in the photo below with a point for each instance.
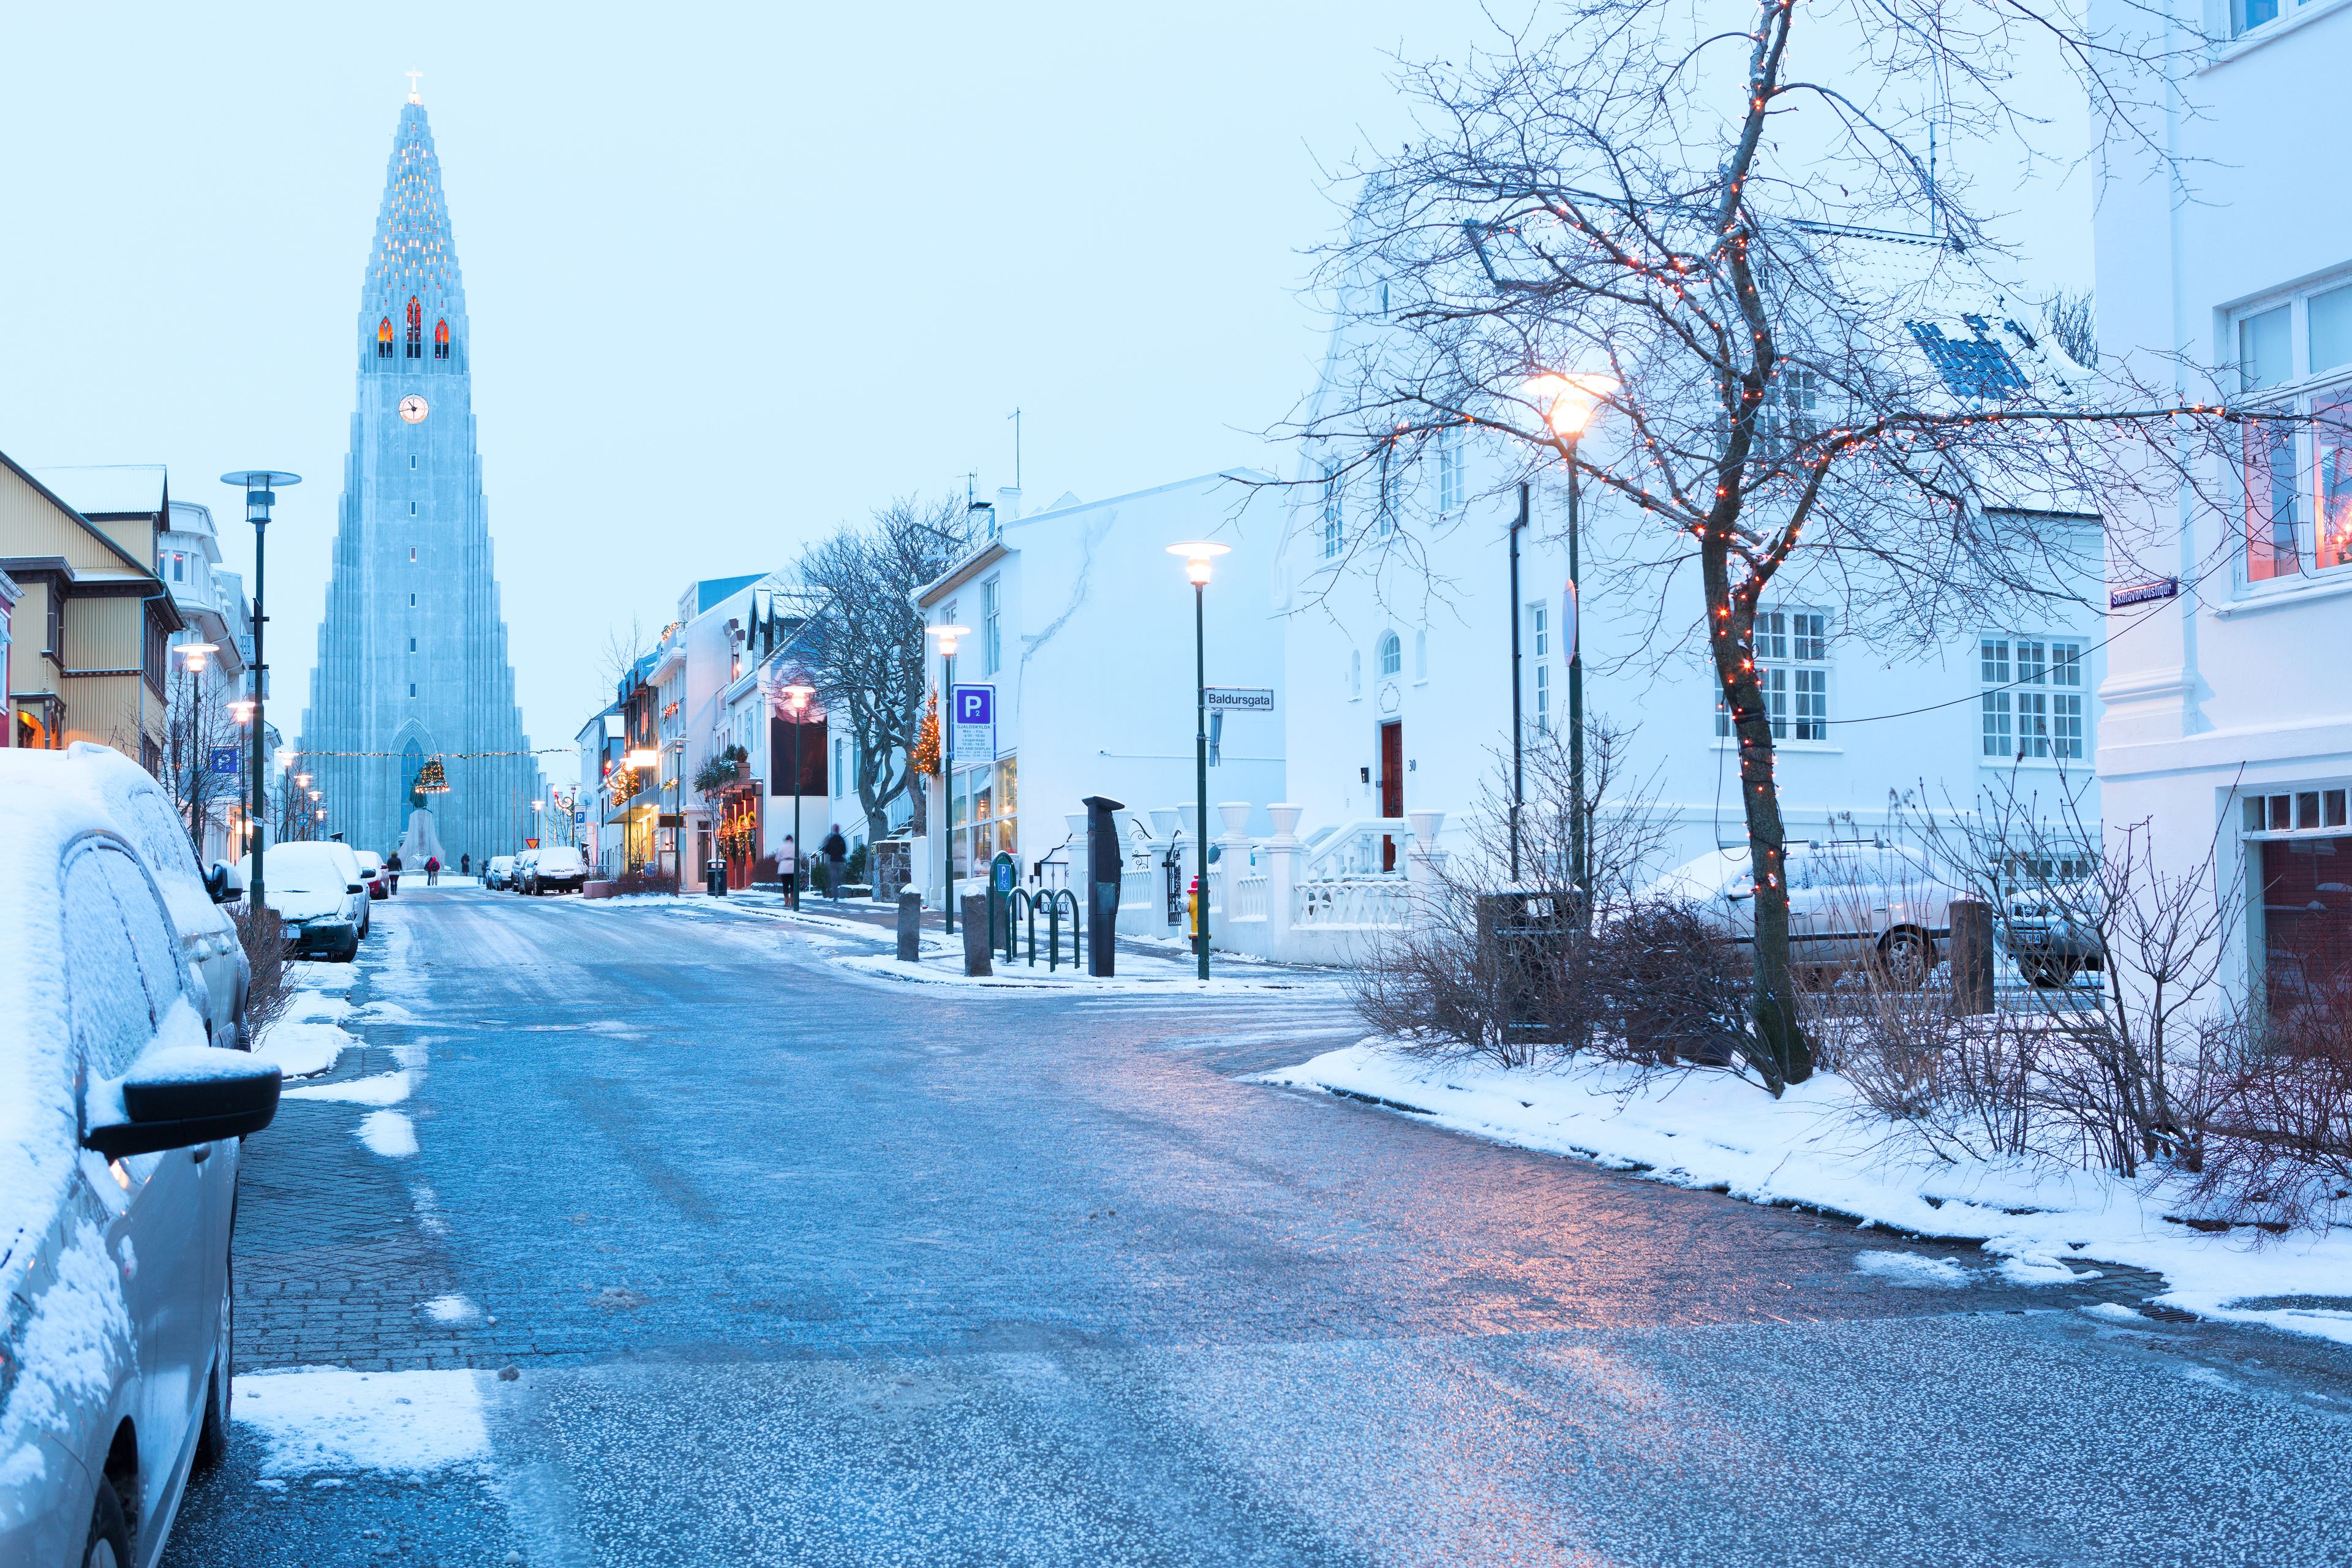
(413, 409)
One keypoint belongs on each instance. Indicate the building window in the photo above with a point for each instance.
(1421, 654)
(2295, 513)
(2245, 16)
(840, 765)
(992, 645)
(415, 329)
(412, 555)
(1539, 650)
(2032, 704)
(412, 689)
(2295, 849)
(441, 339)
(411, 598)
(412, 460)
(1792, 669)
(1391, 654)
(383, 339)
(412, 511)
(179, 567)
(1449, 469)
(1334, 531)
(411, 645)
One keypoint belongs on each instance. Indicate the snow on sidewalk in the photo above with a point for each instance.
(1820, 1146)
(314, 1420)
(310, 1037)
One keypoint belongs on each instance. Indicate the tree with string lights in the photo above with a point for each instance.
(1717, 262)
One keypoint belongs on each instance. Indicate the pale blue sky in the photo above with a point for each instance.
(735, 275)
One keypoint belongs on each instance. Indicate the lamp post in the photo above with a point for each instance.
(946, 635)
(1199, 555)
(796, 697)
(1571, 401)
(261, 487)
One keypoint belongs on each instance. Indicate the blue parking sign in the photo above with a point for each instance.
(975, 711)
(223, 759)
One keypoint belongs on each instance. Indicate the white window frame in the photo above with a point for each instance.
(2302, 387)
(991, 640)
(1335, 527)
(2033, 704)
(1449, 471)
(1390, 651)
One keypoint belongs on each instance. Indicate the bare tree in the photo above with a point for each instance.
(865, 652)
(2073, 320)
(1715, 226)
(623, 649)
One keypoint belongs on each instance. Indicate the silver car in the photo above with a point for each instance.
(1851, 905)
(119, 1129)
(320, 893)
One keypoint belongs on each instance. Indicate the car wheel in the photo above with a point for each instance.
(212, 1439)
(2048, 973)
(1905, 958)
(109, 1532)
(350, 950)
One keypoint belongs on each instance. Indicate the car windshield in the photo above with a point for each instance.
(303, 868)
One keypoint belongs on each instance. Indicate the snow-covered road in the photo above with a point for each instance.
(702, 1248)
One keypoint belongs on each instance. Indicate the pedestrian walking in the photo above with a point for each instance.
(788, 864)
(465, 864)
(432, 870)
(836, 851)
(391, 870)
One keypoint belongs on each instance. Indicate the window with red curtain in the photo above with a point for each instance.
(383, 339)
(415, 329)
(441, 339)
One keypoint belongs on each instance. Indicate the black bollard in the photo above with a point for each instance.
(911, 928)
(976, 953)
(1103, 858)
(1971, 957)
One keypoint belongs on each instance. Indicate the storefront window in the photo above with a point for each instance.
(2301, 925)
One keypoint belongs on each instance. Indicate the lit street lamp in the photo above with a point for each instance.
(947, 636)
(1570, 403)
(1199, 555)
(796, 697)
(192, 659)
(261, 487)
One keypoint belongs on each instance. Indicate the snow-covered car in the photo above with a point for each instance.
(519, 878)
(499, 873)
(317, 890)
(1851, 905)
(378, 881)
(119, 1154)
(558, 868)
(145, 817)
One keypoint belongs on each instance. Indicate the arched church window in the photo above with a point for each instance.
(415, 329)
(441, 339)
(1391, 654)
(383, 339)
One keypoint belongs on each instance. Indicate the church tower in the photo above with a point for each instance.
(412, 652)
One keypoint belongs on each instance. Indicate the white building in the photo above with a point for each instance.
(1400, 671)
(1082, 627)
(2225, 700)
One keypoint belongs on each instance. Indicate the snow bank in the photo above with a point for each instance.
(1819, 1145)
(383, 1089)
(390, 1134)
(323, 1419)
(303, 1048)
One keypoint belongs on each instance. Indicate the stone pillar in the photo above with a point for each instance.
(911, 928)
(1972, 957)
(1282, 856)
(1424, 863)
(977, 959)
(1231, 866)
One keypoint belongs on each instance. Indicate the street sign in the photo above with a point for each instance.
(974, 708)
(580, 819)
(223, 759)
(670, 819)
(2143, 593)
(1240, 699)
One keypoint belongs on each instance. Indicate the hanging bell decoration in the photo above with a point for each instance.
(431, 779)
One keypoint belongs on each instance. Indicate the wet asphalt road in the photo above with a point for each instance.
(795, 1266)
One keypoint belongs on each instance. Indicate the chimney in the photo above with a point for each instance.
(1008, 504)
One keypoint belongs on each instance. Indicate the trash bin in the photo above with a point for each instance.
(714, 879)
(1529, 931)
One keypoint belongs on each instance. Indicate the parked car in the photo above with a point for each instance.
(117, 1186)
(315, 889)
(499, 872)
(378, 881)
(1850, 905)
(521, 877)
(558, 868)
(145, 817)
(2050, 932)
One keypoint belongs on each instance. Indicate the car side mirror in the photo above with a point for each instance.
(353, 887)
(217, 884)
(186, 1095)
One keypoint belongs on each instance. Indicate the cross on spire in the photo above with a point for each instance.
(415, 96)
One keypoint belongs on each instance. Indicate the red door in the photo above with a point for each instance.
(1391, 785)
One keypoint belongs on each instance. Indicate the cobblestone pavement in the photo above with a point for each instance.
(794, 1265)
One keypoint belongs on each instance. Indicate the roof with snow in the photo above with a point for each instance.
(108, 490)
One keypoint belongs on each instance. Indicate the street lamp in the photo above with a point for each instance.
(261, 487)
(946, 635)
(1569, 403)
(1199, 555)
(796, 697)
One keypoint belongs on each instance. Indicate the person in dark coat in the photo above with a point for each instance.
(835, 850)
(432, 870)
(465, 864)
(391, 870)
